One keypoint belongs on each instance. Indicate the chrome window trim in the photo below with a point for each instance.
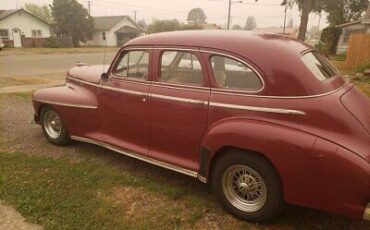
(243, 62)
(140, 157)
(67, 104)
(180, 99)
(257, 109)
(137, 93)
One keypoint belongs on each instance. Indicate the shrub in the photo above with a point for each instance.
(329, 37)
(53, 42)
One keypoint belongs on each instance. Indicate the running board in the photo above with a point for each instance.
(142, 158)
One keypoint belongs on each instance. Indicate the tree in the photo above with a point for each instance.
(237, 27)
(42, 12)
(142, 23)
(343, 11)
(197, 16)
(162, 26)
(306, 7)
(72, 19)
(250, 24)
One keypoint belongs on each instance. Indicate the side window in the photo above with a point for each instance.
(181, 67)
(132, 65)
(233, 74)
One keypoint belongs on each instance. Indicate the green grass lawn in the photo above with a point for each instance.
(62, 194)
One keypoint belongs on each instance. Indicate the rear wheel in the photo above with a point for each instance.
(53, 127)
(248, 186)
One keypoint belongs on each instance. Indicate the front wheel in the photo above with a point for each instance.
(248, 186)
(53, 127)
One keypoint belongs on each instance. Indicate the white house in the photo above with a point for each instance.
(18, 24)
(114, 30)
(357, 27)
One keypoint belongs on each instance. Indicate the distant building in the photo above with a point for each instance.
(114, 30)
(18, 25)
(361, 26)
(290, 32)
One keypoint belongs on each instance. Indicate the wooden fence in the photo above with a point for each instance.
(358, 52)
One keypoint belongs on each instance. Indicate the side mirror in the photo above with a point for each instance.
(104, 77)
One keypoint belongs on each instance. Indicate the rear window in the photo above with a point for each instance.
(319, 65)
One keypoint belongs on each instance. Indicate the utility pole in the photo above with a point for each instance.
(285, 12)
(135, 15)
(229, 15)
(89, 7)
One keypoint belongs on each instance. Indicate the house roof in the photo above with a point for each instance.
(7, 13)
(108, 22)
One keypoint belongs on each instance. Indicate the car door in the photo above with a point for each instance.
(179, 99)
(125, 101)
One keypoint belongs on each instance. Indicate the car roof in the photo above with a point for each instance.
(276, 57)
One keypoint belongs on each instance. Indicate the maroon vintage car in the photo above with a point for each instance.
(264, 118)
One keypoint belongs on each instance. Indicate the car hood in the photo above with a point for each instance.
(88, 73)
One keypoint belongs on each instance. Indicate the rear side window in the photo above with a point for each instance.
(233, 74)
(319, 65)
(181, 67)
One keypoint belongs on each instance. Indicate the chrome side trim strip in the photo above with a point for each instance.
(124, 91)
(218, 91)
(83, 81)
(257, 109)
(139, 157)
(67, 104)
(180, 99)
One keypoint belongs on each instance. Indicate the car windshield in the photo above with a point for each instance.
(320, 66)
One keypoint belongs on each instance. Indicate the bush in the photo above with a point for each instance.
(53, 42)
(330, 37)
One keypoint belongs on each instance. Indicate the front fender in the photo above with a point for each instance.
(76, 105)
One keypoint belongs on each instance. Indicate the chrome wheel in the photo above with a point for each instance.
(244, 188)
(52, 124)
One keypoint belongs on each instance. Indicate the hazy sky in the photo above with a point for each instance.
(267, 12)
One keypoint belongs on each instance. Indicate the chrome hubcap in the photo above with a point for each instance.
(52, 124)
(244, 188)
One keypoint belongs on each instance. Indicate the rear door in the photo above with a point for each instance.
(179, 99)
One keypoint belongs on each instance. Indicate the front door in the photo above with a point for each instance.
(125, 103)
(17, 38)
(179, 107)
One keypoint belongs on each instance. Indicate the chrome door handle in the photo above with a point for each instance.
(144, 99)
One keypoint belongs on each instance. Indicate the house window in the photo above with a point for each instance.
(103, 36)
(4, 34)
(36, 33)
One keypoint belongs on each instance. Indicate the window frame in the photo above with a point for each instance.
(313, 51)
(183, 50)
(8, 36)
(121, 55)
(234, 90)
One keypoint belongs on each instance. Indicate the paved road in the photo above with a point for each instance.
(54, 65)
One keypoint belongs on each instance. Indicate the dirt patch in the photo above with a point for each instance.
(10, 219)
